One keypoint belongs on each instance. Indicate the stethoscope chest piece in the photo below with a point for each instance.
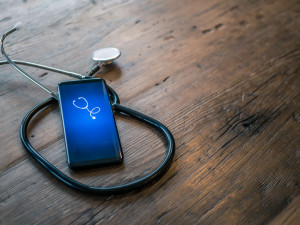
(106, 55)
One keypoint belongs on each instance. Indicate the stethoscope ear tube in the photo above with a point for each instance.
(153, 176)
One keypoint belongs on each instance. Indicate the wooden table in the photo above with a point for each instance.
(224, 77)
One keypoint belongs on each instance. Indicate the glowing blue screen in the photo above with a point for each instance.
(90, 131)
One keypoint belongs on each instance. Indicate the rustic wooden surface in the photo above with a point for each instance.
(222, 75)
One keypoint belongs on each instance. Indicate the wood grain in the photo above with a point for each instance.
(224, 76)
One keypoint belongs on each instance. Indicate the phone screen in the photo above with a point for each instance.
(90, 130)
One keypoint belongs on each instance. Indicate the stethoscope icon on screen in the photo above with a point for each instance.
(93, 111)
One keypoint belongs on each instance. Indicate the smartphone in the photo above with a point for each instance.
(90, 131)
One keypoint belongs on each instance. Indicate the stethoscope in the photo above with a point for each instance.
(102, 57)
(92, 111)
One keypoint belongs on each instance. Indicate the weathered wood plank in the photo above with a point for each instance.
(224, 77)
(290, 215)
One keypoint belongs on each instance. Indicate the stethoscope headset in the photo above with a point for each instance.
(102, 57)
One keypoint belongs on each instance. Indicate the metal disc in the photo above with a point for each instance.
(106, 54)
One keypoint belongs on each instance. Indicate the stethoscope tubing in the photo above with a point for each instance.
(118, 189)
(49, 68)
(117, 108)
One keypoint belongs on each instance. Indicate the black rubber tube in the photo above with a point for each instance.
(153, 176)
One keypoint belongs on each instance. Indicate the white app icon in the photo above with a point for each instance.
(92, 112)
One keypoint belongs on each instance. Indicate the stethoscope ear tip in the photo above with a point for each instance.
(18, 25)
(106, 55)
